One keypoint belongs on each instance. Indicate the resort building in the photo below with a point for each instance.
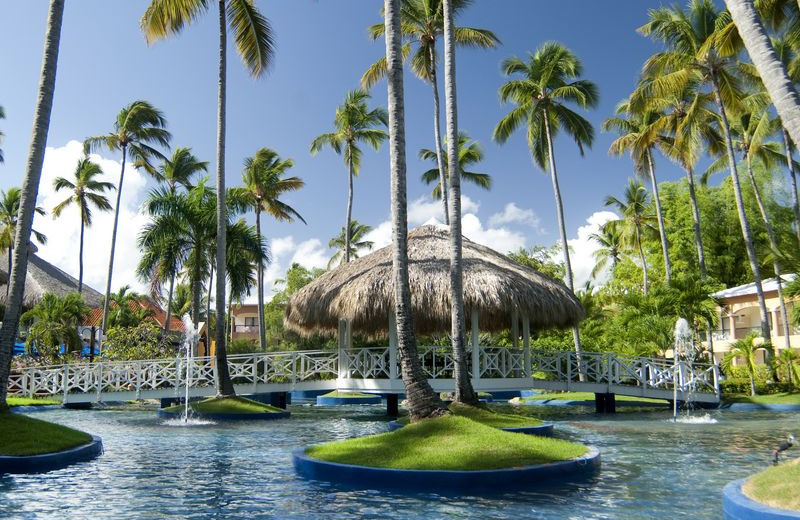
(739, 316)
(245, 321)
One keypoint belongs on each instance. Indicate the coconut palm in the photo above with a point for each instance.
(264, 183)
(610, 251)
(469, 153)
(637, 221)
(181, 303)
(549, 82)
(421, 399)
(86, 191)
(422, 23)
(354, 123)
(54, 322)
(125, 311)
(639, 136)
(789, 361)
(9, 213)
(2, 116)
(137, 129)
(30, 190)
(357, 242)
(699, 51)
(253, 37)
(746, 350)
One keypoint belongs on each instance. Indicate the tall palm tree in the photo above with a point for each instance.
(550, 80)
(30, 189)
(610, 251)
(639, 135)
(354, 123)
(253, 37)
(357, 242)
(264, 183)
(469, 153)
(9, 213)
(422, 23)
(636, 221)
(744, 349)
(422, 401)
(699, 52)
(2, 116)
(137, 129)
(54, 322)
(85, 191)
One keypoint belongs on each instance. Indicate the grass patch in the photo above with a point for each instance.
(776, 486)
(448, 443)
(488, 417)
(337, 393)
(588, 396)
(30, 401)
(229, 405)
(782, 398)
(23, 435)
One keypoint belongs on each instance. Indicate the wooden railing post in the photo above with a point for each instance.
(342, 346)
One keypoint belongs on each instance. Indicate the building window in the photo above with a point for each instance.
(250, 321)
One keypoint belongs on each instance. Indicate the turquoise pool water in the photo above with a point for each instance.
(651, 468)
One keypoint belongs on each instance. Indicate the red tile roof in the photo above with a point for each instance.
(95, 316)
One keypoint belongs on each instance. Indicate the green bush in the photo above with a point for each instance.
(243, 346)
(144, 341)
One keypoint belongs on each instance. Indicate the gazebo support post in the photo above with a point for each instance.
(342, 346)
(392, 346)
(476, 349)
(526, 345)
(514, 329)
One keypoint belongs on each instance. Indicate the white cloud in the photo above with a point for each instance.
(424, 209)
(500, 239)
(380, 236)
(513, 214)
(582, 249)
(285, 252)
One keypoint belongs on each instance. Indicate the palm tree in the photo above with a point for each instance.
(247, 253)
(126, 311)
(787, 360)
(357, 242)
(639, 135)
(54, 322)
(422, 401)
(610, 251)
(469, 153)
(9, 212)
(637, 220)
(137, 128)
(264, 182)
(30, 190)
(2, 116)
(86, 192)
(254, 42)
(421, 23)
(181, 302)
(550, 81)
(354, 123)
(746, 350)
(700, 52)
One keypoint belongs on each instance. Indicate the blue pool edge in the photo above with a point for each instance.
(52, 461)
(338, 401)
(737, 506)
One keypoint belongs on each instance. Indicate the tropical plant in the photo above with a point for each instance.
(746, 350)
(550, 81)
(137, 129)
(422, 23)
(54, 322)
(789, 361)
(610, 249)
(125, 310)
(9, 213)
(469, 153)
(264, 183)
(354, 123)
(422, 402)
(30, 190)
(247, 251)
(357, 242)
(253, 37)
(85, 191)
(181, 302)
(141, 341)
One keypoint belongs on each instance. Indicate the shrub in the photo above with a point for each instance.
(242, 346)
(144, 341)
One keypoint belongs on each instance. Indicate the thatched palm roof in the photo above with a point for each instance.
(363, 292)
(43, 277)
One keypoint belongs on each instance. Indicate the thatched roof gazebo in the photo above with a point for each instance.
(498, 290)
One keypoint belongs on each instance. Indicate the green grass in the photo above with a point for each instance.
(782, 398)
(30, 401)
(24, 435)
(776, 486)
(587, 396)
(337, 393)
(230, 405)
(488, 417)
(448, 443)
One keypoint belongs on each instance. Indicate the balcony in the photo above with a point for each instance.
(245, 329)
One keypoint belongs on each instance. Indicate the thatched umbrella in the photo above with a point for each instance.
(494, 285)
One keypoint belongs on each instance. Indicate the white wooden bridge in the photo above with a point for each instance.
(372, 370)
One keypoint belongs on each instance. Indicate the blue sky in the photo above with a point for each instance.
(322, 50)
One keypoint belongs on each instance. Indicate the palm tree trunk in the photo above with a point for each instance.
(777, 82)
(197, 290)
(229, 321)
(464, 391)
(30, 189)
(437, 133)
(698, 235)
(113, 241)
(208, 298)
(224, 383)
(80, 260)
(8, 282)
(787, 148)
(643, 259)
(773, 244)
(422, 401)
(262, 333)
(349, 216)
(168, 321)
(661, 230)
(745, 224)
(576, 337)
(752, 385)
